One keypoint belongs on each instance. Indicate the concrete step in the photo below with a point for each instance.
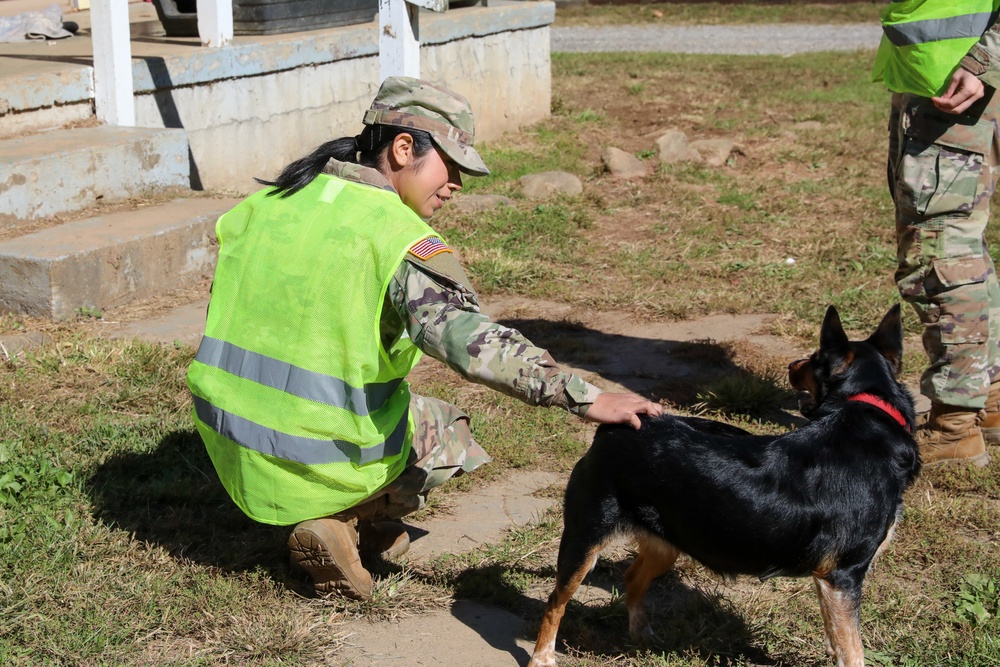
(180, 325)
(111, 260)
(42, 95)
(67, 170)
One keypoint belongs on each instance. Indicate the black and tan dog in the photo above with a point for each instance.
(820, 501)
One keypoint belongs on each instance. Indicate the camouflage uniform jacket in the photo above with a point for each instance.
(432, 302)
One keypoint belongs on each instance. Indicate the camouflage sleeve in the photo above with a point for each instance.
(983, 58)
(442, 318)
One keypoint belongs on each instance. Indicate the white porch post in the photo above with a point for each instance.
(215, 22)
(399, 35)
(113, 95)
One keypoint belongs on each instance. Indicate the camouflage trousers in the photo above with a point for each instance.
(942, 172)
(443, 447)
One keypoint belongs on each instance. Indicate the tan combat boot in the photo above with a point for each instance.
(952, 434)
(990, 425)
(327, 549)
(377, 535)
(385, 539)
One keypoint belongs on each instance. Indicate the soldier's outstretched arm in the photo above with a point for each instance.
(441, 316)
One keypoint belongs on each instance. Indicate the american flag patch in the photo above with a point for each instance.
(428, 248)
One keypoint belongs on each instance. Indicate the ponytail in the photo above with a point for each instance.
(367, 149)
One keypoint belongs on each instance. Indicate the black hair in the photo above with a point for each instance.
(367, 149)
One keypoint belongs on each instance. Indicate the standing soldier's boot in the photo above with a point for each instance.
(952, 433)
(327, 549)
(990, 425)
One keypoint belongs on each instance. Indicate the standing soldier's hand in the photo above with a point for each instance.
(964, 89)
(621, 409)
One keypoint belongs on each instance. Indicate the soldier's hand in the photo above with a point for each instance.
(621, 409)
(964, 89)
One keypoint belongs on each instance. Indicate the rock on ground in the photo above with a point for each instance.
(713, 152)
(673, 147)
(621, 164)
(548, 183)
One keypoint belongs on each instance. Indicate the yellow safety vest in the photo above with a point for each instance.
(924, 40)
(302, 410)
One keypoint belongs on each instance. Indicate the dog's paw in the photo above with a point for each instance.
(639, 629)
(543, 659)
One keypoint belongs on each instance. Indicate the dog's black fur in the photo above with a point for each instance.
(818, 501)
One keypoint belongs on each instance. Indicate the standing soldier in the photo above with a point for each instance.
(329, 285)
(942, 61)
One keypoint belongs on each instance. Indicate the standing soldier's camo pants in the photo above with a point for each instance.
(942, 171)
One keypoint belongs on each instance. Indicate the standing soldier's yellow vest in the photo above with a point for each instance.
(924, 40)
(303, 411)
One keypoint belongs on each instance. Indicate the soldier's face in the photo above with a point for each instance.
(429, 182)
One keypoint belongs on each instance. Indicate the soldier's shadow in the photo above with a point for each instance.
(171, 497)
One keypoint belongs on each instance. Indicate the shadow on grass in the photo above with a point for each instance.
(172, 497)
(683, 619)
(676, 371)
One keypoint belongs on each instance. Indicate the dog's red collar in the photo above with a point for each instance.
(872, 399)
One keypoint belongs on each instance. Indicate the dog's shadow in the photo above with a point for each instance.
(683, 620)
(171, 497)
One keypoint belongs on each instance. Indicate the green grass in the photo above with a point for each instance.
(118, 545)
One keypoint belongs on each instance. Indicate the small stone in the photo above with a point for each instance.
(714, 152)
(548, 183)
(673, 147)
(479, 203)
(621, 164)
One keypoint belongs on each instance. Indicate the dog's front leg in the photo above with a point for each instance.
(840, 607)
(544, 654)
(654, 558)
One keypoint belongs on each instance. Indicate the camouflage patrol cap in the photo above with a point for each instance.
(407, 102)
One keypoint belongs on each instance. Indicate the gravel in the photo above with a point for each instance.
(766, 39)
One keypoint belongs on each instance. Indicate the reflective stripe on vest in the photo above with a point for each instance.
(934, 30)
(308, 451)
(289, 378)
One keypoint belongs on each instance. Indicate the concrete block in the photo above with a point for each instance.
(183, 325)
(27, 84)
(37, 96)
(67, 170)
(110, 260)
(267, 121)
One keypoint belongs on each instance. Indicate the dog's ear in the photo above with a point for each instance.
(888, 338)
(831, 336)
